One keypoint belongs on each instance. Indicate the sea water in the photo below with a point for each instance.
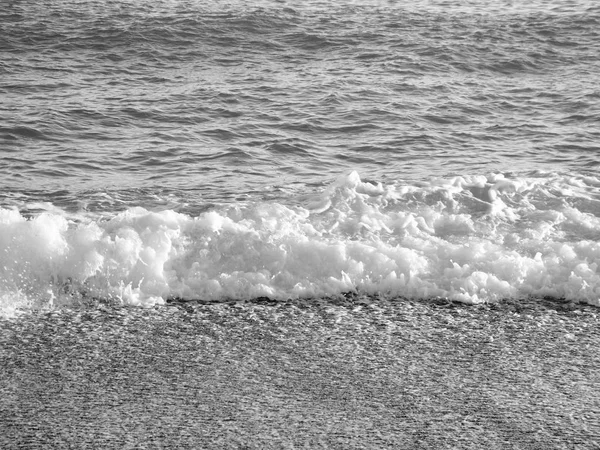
(229, 150)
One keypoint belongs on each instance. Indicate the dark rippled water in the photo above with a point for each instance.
(188, 106)
(228, 98)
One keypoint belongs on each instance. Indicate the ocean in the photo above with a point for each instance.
(235, 150)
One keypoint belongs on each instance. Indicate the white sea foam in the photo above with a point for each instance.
(472, 239)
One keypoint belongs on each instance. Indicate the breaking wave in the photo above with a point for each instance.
(470, 239)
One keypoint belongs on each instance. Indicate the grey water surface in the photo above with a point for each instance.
(138, 102)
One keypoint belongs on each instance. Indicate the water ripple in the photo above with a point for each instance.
(178, 93)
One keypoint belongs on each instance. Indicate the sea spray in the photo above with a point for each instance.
(471, 239)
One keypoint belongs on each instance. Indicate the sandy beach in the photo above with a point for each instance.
(358, 373)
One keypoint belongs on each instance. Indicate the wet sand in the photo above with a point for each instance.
(313, 374)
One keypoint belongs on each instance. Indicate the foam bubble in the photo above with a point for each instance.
(472, 239)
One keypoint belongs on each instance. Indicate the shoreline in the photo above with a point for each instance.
(319, 374)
